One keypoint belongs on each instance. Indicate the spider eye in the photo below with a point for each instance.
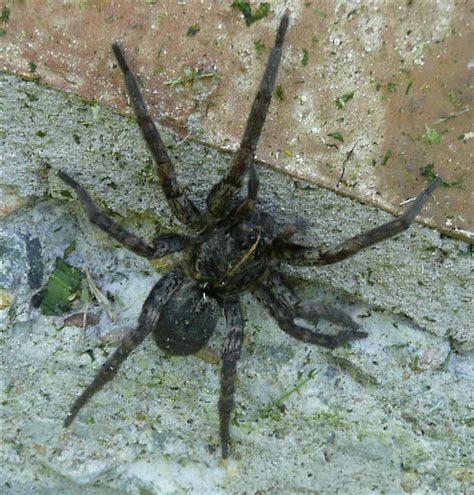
(253, 237)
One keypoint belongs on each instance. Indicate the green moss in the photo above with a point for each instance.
(412, 452)
(331, 419)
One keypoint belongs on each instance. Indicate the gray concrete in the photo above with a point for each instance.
(389, 414)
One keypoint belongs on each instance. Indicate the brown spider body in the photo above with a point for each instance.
(235, 249)
(222, 262)
(231, 258)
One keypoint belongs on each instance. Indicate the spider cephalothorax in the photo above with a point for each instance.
(235, 248)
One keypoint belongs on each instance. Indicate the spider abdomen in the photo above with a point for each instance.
(186, 321)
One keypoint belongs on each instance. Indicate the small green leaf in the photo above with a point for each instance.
(5, 14)
(342, 100)
(193, 30)
(246, 10)
(63, 286)
(428, 172)
(4, 18)
(431, 136)
(304, 60)
(386, 158)
(259, 46)
(278, 93)
(391, 87)
(336, 135)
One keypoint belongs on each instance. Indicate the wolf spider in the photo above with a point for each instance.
(235, 248)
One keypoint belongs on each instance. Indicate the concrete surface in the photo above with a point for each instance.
(390, 414)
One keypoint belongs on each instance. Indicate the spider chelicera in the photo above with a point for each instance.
(235, 248)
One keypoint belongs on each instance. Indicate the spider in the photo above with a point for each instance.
(235, 248)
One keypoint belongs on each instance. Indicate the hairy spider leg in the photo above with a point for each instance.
(158, 296)
(230, 356)
(247, 205)
(286, 295)
(162, 245)
(285, 321)
(306, 255)
(182, 206)
(99, 218)
(222, 192)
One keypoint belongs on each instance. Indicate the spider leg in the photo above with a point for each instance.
(230, 356)
(162, 245)
(285, 321)
(286, 295)
(247, 206)
(150, 313)
(181, 205)
(222, 193)
(306, 255)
